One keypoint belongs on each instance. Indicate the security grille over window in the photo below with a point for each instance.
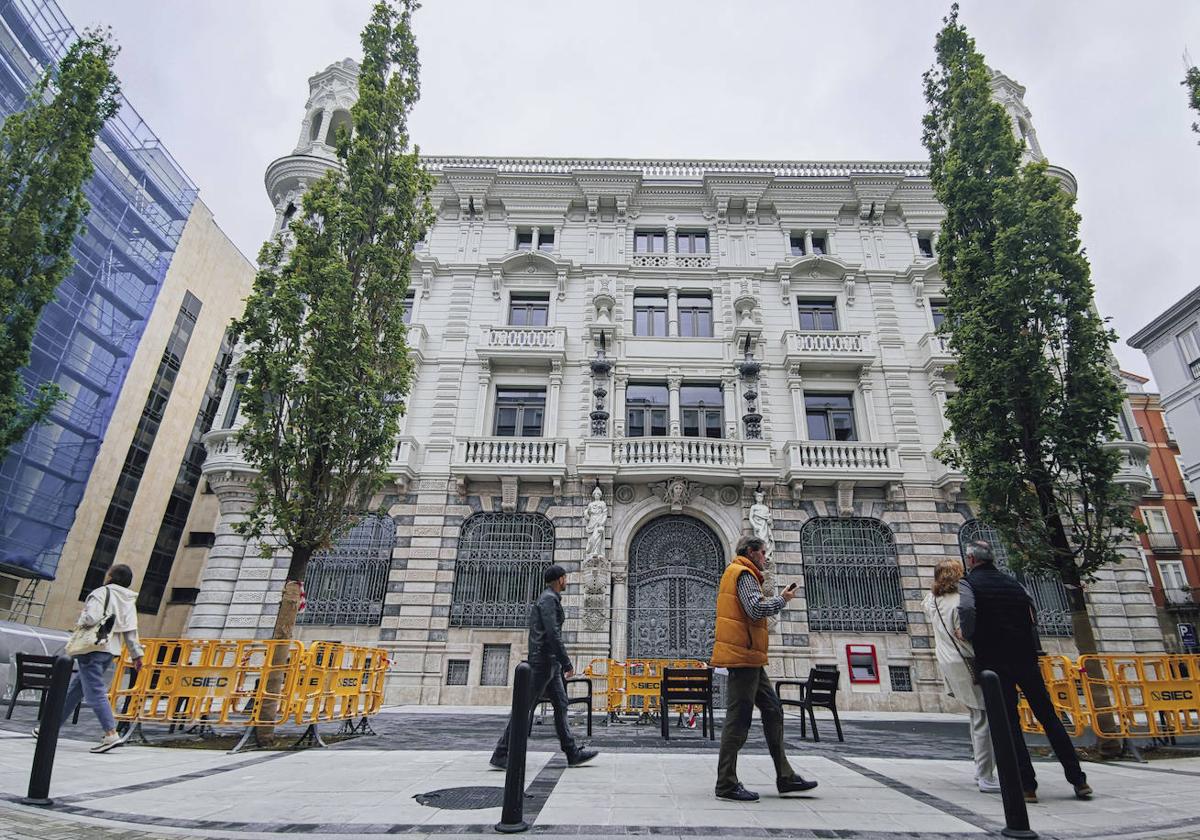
(901, 677)
(852, 576)
(345, 585)
(457, 671)
(498, 572)
(495, 665)
(1049, 596)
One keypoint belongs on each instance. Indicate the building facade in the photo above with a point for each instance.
(136, 340)
(1172, 519)
(623, 367)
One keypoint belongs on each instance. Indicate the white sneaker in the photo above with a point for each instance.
(108, 742)
(988, 785)
(36, 730)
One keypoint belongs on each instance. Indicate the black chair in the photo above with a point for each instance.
(690, 686)
(33, 674)
(799, 684)
(585, 699)
(820, 689)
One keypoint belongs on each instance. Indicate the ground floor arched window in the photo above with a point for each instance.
(498, 571)
(346, 584)
(852, 576)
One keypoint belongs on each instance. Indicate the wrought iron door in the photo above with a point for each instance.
(675, 565)
(1049, 595)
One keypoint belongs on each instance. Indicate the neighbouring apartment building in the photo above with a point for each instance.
(1169, 511)
(625, 365)
(136, 339)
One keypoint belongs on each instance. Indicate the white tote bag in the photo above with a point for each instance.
(95, 638)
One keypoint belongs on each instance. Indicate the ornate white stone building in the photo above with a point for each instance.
(623, 366)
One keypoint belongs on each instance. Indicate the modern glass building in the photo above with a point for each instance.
(140, 200)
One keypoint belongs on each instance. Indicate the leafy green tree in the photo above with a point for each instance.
(1037, 396)
(45, 159)
(324, 325)
(1192, 82)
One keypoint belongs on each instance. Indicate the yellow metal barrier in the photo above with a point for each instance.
(1122, 695)
(227, 682)
(633, 686)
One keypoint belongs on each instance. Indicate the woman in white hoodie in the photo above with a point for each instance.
(90, 679)
(941, 606)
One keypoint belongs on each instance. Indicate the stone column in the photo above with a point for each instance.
(673, 311)
(799, 418)
(533, 241)
(618, 404)
(672, 245)
(556, 380)
(673, 383)
(830, 240)
(729, 390)
(808, 246)
(485, 382)
(916, 246)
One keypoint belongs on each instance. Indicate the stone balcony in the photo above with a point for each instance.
(498, 457)
(699, 459)
(935, 352)
(828, 350)
(404, 465)
(523, 344)
(1133, 471)
(224, 453)
(832, 461)
(417, 337)
(672, 261)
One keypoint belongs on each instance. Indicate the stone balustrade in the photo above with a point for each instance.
(828, 348)
(678, 451)
(672, 260)
(534, 338)
(510, 456)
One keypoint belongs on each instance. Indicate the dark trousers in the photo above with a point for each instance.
(545, 680)
(745, 689)
(1028, 677)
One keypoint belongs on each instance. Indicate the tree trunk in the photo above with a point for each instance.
(285, 628)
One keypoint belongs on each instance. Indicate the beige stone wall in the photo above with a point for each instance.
(207, 264)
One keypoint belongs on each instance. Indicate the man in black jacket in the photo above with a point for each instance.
(998, 618)
(550, 664)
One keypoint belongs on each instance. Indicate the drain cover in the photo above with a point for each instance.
(463, 798)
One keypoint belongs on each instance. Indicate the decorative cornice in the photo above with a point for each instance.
(668, 169)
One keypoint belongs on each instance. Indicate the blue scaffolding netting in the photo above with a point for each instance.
(140, 200)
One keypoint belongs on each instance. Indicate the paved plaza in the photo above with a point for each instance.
(899, 776)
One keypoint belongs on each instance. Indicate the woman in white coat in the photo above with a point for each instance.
(941, 606)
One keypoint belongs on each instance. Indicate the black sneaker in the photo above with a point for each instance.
(738, 794)
(1083, 791)
(581, 757)
(497, 764)
(796, 784)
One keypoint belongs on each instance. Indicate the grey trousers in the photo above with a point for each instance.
(745, 689)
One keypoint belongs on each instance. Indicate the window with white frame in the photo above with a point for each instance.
(1156, 520)
(817, 315)
(696, 315)
(702, 411)
(646, 410)
(1173, 580)
(1189, 344)
(649, 313)
(520, 412)
(1187, 485)
(528, 310)
(830, 416)
(691, 242)
(650, 242)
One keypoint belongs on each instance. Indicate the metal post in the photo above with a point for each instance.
(47, 740)
(512, 817)
(1016, 816)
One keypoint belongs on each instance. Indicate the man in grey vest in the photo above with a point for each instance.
(998, 618)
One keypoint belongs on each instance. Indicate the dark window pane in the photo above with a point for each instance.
(687, 323)
(545, 240)
(824, 401)
(646, 395)
(658, 422)
(925, 246)
(409, 300)
(697, 395)
(818, 245)
(660, 322)
(524, 240)
(843, 426)
(506, 421)
(691, 422)
(641, 322)
(637, 427)
(713, 423)
(516, 317)
(818, 426)
(532, 422)
(818, 314)
(797, 246)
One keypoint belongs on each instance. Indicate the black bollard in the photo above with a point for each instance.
(1004, 745)
(512, 817)
(47, 740)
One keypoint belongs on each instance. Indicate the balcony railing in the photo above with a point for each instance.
(828, 348)
(672, 260)
(678, 451)
(523, 342)
(1132, 470)
(224, 452)
(935, 351)
(835, 460)
(510, 456)
(1163, 541)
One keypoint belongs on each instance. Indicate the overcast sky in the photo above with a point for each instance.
(223, 83)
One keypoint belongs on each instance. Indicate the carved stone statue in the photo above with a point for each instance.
(595, 518)
(761, 523)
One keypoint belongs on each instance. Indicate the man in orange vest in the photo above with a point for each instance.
(741, 647)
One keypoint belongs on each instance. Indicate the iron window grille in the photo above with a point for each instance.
(901, 677)
(345, 585)
(498, 572)
(457, 671)
(830, 417)
(692, 242)
(696, 316)
(818, 315)
(852, 576)
(1049, 595)
(495, 665)
(646, 410)
(650, 242)
(529, 310)
(519, 412)
(649, 315)
(702, 411)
